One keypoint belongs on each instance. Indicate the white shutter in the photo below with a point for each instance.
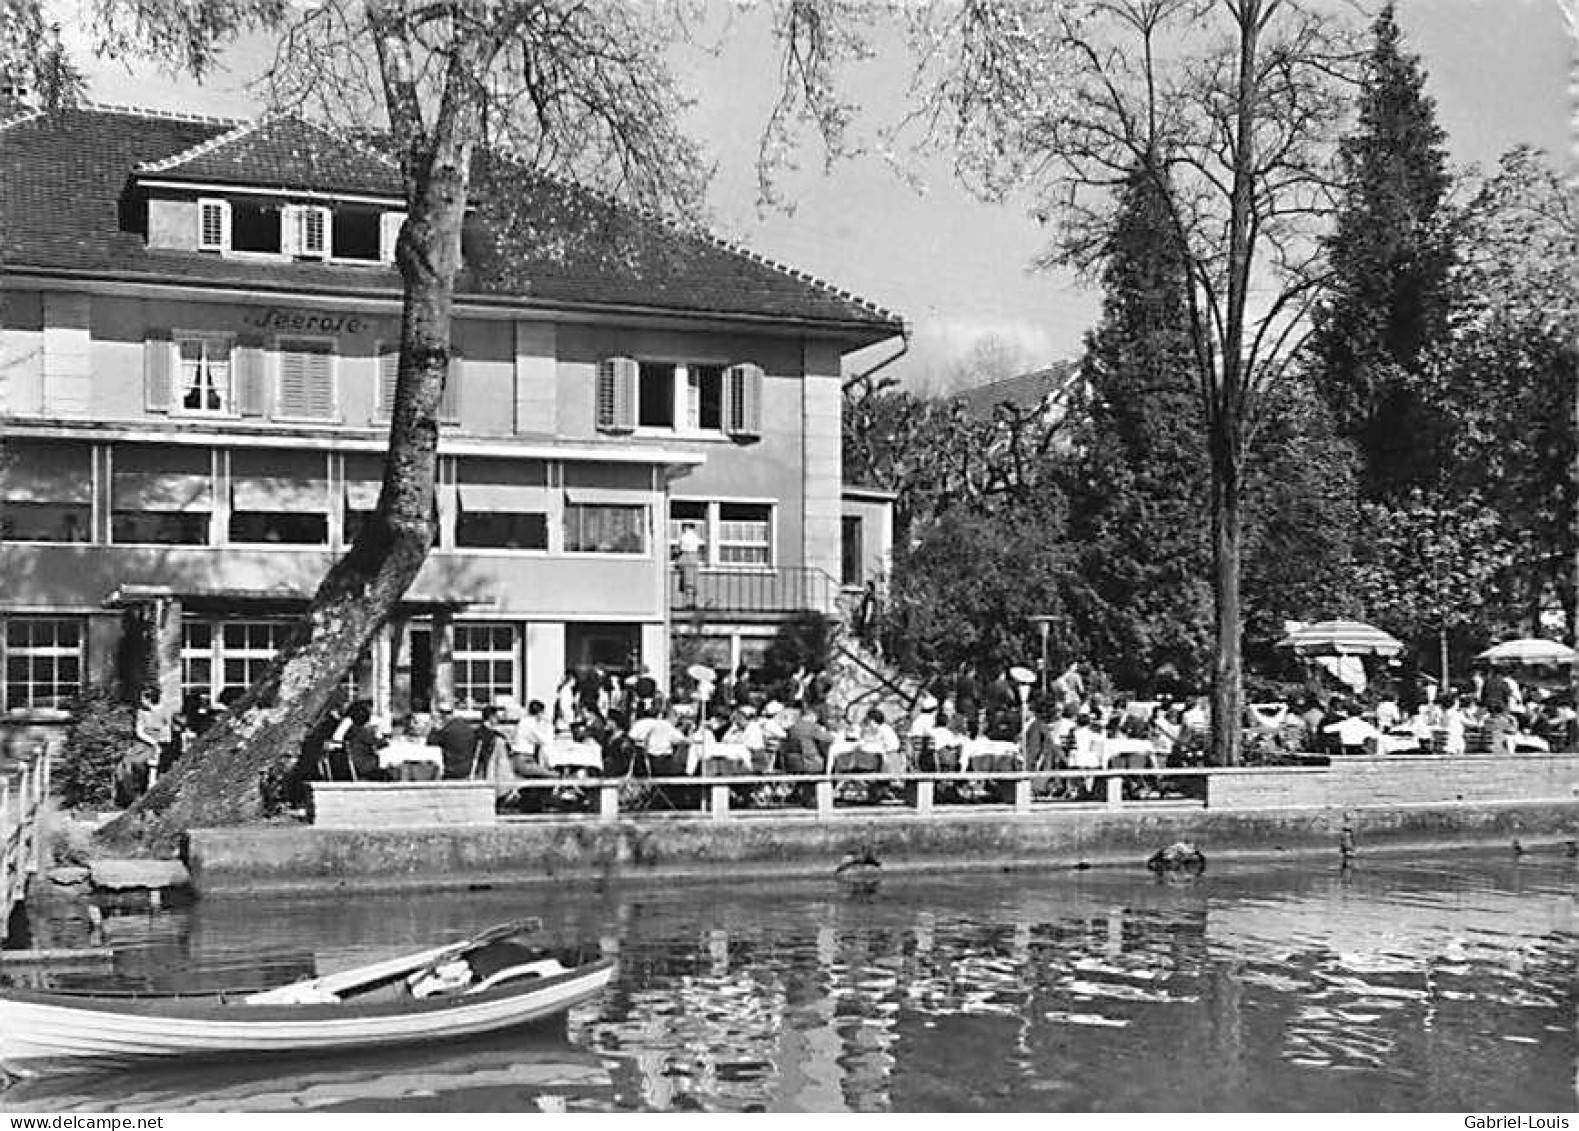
(252, 380)
(388, 379)
(213, 225)
(312, 231)
(306, 383)
(743, 400)
(389, 225)
(158, 374)
(616, 394)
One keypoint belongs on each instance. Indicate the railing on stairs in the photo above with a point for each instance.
(22, 796)
(886, 685)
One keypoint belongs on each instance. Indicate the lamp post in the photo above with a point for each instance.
(1044, 626)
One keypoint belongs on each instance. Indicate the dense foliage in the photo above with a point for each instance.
(100, 732)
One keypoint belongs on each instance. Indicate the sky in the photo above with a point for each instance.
(957, 269)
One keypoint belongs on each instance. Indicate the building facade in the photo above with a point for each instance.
(200, 328)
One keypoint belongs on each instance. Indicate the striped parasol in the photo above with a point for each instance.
(1341, 638)
(1531, 652)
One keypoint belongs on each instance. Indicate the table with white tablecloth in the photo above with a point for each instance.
(565, 754)
(409, 759)
(737, 756)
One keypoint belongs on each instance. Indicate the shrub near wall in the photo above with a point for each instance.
(101, 730)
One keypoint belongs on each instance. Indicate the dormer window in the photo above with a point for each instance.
(357, 234)
(350, 233)
(255, 227)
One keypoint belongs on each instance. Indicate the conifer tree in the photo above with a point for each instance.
(1139, 484)
(1391, 254)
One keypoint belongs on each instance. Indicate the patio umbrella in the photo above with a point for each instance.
(1528, 653)
(1340, 638)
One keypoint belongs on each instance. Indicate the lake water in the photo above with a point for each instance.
(1414, 983)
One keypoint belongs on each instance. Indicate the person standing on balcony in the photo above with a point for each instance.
(688, 549)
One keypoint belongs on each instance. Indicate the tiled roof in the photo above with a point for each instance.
(1023, 392)
(68, 202)
(285, 153)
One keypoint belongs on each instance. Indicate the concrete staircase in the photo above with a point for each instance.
(861, 681)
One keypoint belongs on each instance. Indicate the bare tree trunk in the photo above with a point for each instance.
(1227, 661)
(235, 772)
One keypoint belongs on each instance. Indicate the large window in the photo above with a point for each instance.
(160, 495)
(225, 658)
(485, 663)
(205, 374)
(43, 662)
(46, 492)
(279, 498)
(745, 534)
(735, 535)
(605, 528)
(503, 504)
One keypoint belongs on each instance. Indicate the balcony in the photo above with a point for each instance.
(761, 594)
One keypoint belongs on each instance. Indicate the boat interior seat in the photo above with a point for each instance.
(542, 968)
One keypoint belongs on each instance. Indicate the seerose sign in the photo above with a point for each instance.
(307, 322)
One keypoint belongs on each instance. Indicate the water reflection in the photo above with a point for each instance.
(1424, 985)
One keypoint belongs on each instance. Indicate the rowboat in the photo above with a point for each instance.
(482, 984)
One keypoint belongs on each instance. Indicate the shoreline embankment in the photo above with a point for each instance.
(305, 859)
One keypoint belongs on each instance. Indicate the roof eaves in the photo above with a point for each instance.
(22, 118)
(698, 231)
(171, 115)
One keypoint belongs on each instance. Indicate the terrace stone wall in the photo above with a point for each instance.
(1394, 780)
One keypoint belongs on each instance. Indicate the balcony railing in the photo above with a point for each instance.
(757, 593)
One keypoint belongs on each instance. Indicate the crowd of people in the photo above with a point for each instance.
(708, 723)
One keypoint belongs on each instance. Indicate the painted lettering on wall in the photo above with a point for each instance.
(301, 322)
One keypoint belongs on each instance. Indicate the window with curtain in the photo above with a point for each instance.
(605, 528)
(43, 662)
(745, 534)
(204, 374)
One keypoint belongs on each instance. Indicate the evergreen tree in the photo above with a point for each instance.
(1391, 255)
(1138, 496)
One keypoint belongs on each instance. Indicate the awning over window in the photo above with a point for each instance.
(590, 496)
(279, 494)
(496, 498)
(166, 491)
(362, 494)
(47, 473)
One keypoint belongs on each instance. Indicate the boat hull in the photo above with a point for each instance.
(51, 1032)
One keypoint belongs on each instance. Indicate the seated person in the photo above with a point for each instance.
(658, 743)
(745, 730)
(361, 743)
(806, 744)
(877, 740)
(457, 738)
(533, 734)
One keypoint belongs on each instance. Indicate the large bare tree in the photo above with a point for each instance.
(1231, 109)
